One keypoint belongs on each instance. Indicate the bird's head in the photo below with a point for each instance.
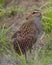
(34, 14)
(35, 17)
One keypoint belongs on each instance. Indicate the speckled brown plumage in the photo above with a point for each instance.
(25, 37)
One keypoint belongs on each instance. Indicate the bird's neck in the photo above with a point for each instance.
(38, 24)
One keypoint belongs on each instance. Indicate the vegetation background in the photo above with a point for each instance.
(12, 14)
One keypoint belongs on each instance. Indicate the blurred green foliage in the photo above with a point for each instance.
(47, 19)
(2, 2)
(47, 26)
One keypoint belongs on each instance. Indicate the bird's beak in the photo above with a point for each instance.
(30, 14)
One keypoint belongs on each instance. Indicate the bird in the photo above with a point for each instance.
(26, 36)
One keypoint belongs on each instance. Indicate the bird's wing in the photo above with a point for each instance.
(15, 34)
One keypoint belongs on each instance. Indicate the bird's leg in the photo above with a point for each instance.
(32, 53)
(30, 50)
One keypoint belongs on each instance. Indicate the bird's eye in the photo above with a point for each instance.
(26, 18)
(33, 12)
(36, 13)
